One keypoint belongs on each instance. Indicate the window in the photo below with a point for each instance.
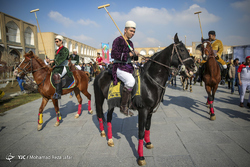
(70, 47)
(12, 32)
(29, 36)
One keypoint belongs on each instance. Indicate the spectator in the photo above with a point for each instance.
(231, 73)
(244, 80)
(20, 80)
(236, 74)
(229, 64)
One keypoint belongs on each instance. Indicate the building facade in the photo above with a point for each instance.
(48, 47)
(16, 38)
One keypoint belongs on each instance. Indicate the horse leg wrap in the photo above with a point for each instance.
(40, 118)
(79, 109)
(211, 107)
(146, 136)
(58, 116)
(109, 130)
(140, 148)
(101, 124)
(89, 105)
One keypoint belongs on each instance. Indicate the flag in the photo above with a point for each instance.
(105, 52)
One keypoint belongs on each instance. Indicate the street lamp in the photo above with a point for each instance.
(34, 11)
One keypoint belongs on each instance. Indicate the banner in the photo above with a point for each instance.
(105, 52)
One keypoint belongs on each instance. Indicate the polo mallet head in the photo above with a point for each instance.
(35, 10)
(103, 6)
(199, 21)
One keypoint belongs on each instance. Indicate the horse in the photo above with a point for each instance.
(153, 77)
(41, 74)
(97, 70)
(211, 76)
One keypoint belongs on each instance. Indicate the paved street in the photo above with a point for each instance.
(181, 132)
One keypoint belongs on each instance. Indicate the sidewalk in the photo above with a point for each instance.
(181, 133)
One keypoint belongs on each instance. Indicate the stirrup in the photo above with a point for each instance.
(124, 110)
(56, 96)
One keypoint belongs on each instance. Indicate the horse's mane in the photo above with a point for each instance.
(30, 54)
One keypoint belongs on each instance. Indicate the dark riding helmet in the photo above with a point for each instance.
(211, 32)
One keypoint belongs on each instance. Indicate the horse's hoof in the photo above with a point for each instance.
(91, 112)
(141, 161)
(77, 116)
(212, 118)
(111, 143)
(103, 134)
(39, 127)
(57, 123)
(149, 145)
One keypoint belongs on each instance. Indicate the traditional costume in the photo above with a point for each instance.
(123, 68)
(75, 59)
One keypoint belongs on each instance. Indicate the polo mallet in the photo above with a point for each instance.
(199, 21)
(104, 6)
(34, 11)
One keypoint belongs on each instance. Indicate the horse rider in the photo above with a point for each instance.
(59, 65)
(75, 59)
(217, 47)
(122, 67)
(99, 60)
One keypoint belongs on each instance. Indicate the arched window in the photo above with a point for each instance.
(85, 50)
(82, 50)
(70, 46)
(76, 47)
(88, 51)
(65, 43)
(143, 52)
(151, 52)
(29, 36)
(0, 34)
(12, 32)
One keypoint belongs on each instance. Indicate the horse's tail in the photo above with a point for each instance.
(99, 98)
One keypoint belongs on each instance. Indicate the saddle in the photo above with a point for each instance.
(204, 66)
(115, 93)
(67, 82)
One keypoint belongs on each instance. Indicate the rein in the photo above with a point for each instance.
(24, 70)
(176, 71)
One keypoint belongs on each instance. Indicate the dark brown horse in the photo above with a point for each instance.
(211, 76)
(154, 76)
(96, 68)
(41, 73)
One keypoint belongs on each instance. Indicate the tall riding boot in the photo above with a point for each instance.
(58, 83)
(223, 76)
(126, 95)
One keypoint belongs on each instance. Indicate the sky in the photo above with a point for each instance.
(157, 21)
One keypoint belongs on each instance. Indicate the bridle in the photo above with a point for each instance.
(180, 68)
(210, 54)
(27, 71)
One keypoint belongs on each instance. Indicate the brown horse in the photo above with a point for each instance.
(96, 68)
(41, 73)
(211, 76)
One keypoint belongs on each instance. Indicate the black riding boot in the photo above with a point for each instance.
(126, 95)
(223, 76)
(58, 83)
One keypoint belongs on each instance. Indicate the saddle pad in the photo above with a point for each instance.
(115, 91)
(67, 82)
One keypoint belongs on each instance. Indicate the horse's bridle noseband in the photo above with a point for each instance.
(26, 72)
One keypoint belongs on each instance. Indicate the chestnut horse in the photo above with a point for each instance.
(211, 76)
(41, 73)
(154, 75)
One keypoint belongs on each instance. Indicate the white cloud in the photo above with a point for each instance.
(152, 16)
(242, 5)
(56, 16)
(83, 38)
(87, 22)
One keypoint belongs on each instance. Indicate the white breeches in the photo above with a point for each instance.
(245, 85)
(63, 72)
(126, 78)
(77, 66)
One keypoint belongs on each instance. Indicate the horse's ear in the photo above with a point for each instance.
(30, 52)
(176, 39)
